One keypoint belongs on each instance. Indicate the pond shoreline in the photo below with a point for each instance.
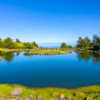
(87, 50)
(83, 93)
(48, 52)
(17, 92)
(38, 51)
(14, 50)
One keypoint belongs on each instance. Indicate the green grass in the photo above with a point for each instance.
(47, 93)
(48, 52)
(37, 51)
(3, 49)
(51, 51)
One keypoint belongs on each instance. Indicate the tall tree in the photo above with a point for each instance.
(8, 43)
(87, 42)
(1, 43)
(63, 45)
(17, 40)
(35, 44)
(96, 40)
(79, 42)
(28, 45)
(84, 43)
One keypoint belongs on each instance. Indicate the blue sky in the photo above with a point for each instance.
(49, 21)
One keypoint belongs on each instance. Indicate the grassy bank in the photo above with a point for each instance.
(48, 52)
(13, 50)
(3, 49)
(92, 92)
(38, 50)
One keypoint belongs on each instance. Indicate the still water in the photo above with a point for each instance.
(62, 71)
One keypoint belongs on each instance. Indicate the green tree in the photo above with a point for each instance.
(63, 45)
(35, 44)
(8, 43)
(96, 40)
(83, 43)
(87, 42)
(17, 40)
(80, 42)
(1, 43)
(28, 45)
(69, 46)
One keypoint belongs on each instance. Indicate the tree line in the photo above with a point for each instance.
(17, 44)
(64, 45)
(82, 43)
(87, 43)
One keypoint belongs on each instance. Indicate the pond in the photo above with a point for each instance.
(72, 70)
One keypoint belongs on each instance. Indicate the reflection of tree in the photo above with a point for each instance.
(9, 56)
(1, 55)
(27, 54)
(96, 58)
(17, 53)
(86, 56)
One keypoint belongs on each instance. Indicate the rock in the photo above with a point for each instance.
(88, 98)
(62, 96)
(68, 98)
(39, 98)
(13, 99)
(58, 98)
(29, 98)
(52, 99)
(17, 92)
(26, 99)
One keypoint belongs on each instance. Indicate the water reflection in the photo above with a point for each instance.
(86, 56)
(17, 53)
(8, 56)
